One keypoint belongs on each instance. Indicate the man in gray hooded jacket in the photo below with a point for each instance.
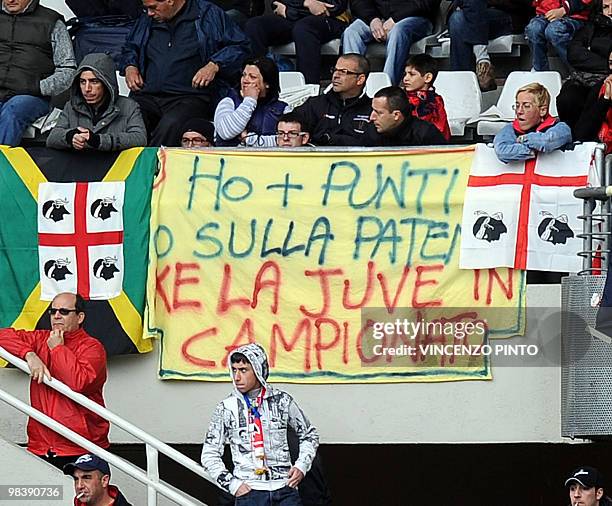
(253, 419)
(96, 117)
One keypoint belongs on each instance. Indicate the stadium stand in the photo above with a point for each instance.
(506, 45)
(378, 50)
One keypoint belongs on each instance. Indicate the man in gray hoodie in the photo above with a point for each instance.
(96, 117)
(253, 419)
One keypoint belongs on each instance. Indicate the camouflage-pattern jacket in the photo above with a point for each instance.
(229, 424)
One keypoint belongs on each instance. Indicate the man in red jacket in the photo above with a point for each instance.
(69, 354)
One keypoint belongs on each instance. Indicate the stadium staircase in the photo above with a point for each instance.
(141, 487)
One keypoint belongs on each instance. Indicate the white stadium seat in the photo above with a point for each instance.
(462, 98)
(124, 91)
(376, 81)
(290, 80)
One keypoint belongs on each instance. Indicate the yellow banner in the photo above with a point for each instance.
(315, 256)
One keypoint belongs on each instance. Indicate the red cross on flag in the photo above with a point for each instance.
(524, 214)
(80, 239)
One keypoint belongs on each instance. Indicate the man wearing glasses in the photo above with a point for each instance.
(66, 353)
(198, 133)
(534, 130)
(340, 117)
(289, 132)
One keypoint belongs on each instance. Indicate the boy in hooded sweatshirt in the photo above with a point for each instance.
(96, 117)
(253, 419)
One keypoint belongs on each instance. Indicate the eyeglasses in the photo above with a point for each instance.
(62, 310)
(193, 142)
(525, 107)
(291, 135)
(344, 72)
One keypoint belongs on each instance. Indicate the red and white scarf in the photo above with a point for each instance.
(256, 432)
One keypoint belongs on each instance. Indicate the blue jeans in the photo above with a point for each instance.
(405, 33)
(17, 113)
(472, 25)
(540, 32)
(285, 496)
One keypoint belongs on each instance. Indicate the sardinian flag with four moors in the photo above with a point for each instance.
(80, 239)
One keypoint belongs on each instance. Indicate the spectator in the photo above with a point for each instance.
(91, 476)
(341, 116)
(96, 116)
(36, 62)
(555, 23)
(308, 23)
(241, 10)
(396, 23)
(421, 73)
(396, 126)
(595, 121)
(313, 489)
(534, 130)
(198, 133)
(585, 486)
(588, 54)
(289, 132)
(471, 23)
(177, 60)
(251, 115)
(261, 413)
(70, 355)
(130, 8)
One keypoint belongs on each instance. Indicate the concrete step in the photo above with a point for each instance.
(19, 468)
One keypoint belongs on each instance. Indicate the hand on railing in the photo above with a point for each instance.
(38, 369)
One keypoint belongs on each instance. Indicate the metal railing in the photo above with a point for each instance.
(597, 214)
(153, 445)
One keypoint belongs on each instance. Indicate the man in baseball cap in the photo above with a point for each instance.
(91, 476)
(585, 485)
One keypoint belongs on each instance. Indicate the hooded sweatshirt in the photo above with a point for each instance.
(229, 424)
(116, 123)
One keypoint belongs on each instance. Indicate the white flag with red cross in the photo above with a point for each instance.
(80, 239)
(523, 214)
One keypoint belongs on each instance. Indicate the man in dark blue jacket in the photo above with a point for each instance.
(178, 60)
(472, 23)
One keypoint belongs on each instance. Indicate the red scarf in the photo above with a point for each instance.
(605, 131)
(546, 123)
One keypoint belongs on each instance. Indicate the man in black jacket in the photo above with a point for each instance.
(395, 124)
(585, 486)
(396, 23)
(341, 116)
